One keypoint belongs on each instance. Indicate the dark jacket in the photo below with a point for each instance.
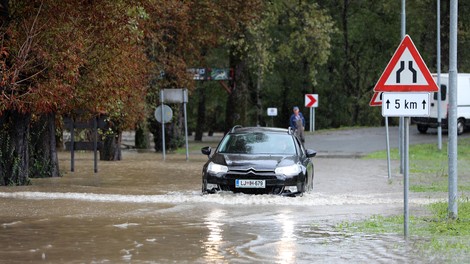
(292, 120)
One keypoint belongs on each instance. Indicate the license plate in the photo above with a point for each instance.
(239, 183)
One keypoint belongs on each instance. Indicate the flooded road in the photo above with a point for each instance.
(145, 210)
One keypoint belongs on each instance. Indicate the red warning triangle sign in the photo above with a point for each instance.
(406, 71)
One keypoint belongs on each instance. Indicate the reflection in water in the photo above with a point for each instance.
(286, 249)
(142, 210)
(214, 222)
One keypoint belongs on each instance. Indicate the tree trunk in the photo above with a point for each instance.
(347, 82)
(285, 115)
(201, 114)
(142, 138)
(236, 107)
(43, 153)
(14, 154)
(259, 105)
(4, 12)
(3, 148)
(111, 149)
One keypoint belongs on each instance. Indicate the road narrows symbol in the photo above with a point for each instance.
(402, 67)
(413, 71)
(410, 67)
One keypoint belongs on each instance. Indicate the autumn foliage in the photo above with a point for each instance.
(57, 57)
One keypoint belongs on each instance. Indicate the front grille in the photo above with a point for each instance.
(237, 174)
(251, 169)
(252, 174)
(269, 189)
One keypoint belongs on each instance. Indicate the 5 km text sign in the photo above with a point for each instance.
(405, 104)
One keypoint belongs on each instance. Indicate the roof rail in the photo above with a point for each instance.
(290, 131)
(235, 127)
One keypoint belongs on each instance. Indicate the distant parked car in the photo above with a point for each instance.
(259, 160)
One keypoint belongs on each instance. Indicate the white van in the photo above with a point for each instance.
(463, 105)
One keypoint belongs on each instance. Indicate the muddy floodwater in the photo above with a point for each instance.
(146, 210)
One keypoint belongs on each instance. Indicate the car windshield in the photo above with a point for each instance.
(258, 143)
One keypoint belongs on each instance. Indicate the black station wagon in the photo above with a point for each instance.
(259, 160)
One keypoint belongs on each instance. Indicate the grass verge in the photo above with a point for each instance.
(429, 166)
(429, 173)
(437, 233)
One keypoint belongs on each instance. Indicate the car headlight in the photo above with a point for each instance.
(288, 170)
(216, 168)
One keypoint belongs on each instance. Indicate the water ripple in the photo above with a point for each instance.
(222, 198)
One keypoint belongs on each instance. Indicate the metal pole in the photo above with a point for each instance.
(72, 145)
(163, 126)
(313, 119)
(185, 99)
(388, 149)
(404, 143)
(402, 121)
(403, 18)
(439, 117)
(406, 176)
(401, 144)
(452, 209)
(95, 143)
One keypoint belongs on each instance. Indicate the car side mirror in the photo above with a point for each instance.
(206, 150)
(311, 153)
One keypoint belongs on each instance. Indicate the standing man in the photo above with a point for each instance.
(297, 122)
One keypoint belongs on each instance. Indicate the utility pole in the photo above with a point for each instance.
(452, 154)
(403, 138)
(438, 66)
(401, 128)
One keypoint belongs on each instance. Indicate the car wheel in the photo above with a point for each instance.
(301, 188)
(310, 184)
(204, 186)
(313, 177)
(422, 129)
(460, 126)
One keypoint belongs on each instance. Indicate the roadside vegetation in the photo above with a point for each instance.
(111, 59)
(429, 174)
(433, 232)
(429, 166)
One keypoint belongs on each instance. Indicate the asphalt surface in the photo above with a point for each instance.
(356, 142)
(341, 143)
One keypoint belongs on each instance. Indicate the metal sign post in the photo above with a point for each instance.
(406, 105)
(312, 119)
(272, 112)
(407, 83)
(453, 147)
(406, 171)
(162, 99)
(75, 122)
(72, 145)
(377, 101)
(172, 96)
(95, 143)
(438, 57)
(185, 101)
(389, 175)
